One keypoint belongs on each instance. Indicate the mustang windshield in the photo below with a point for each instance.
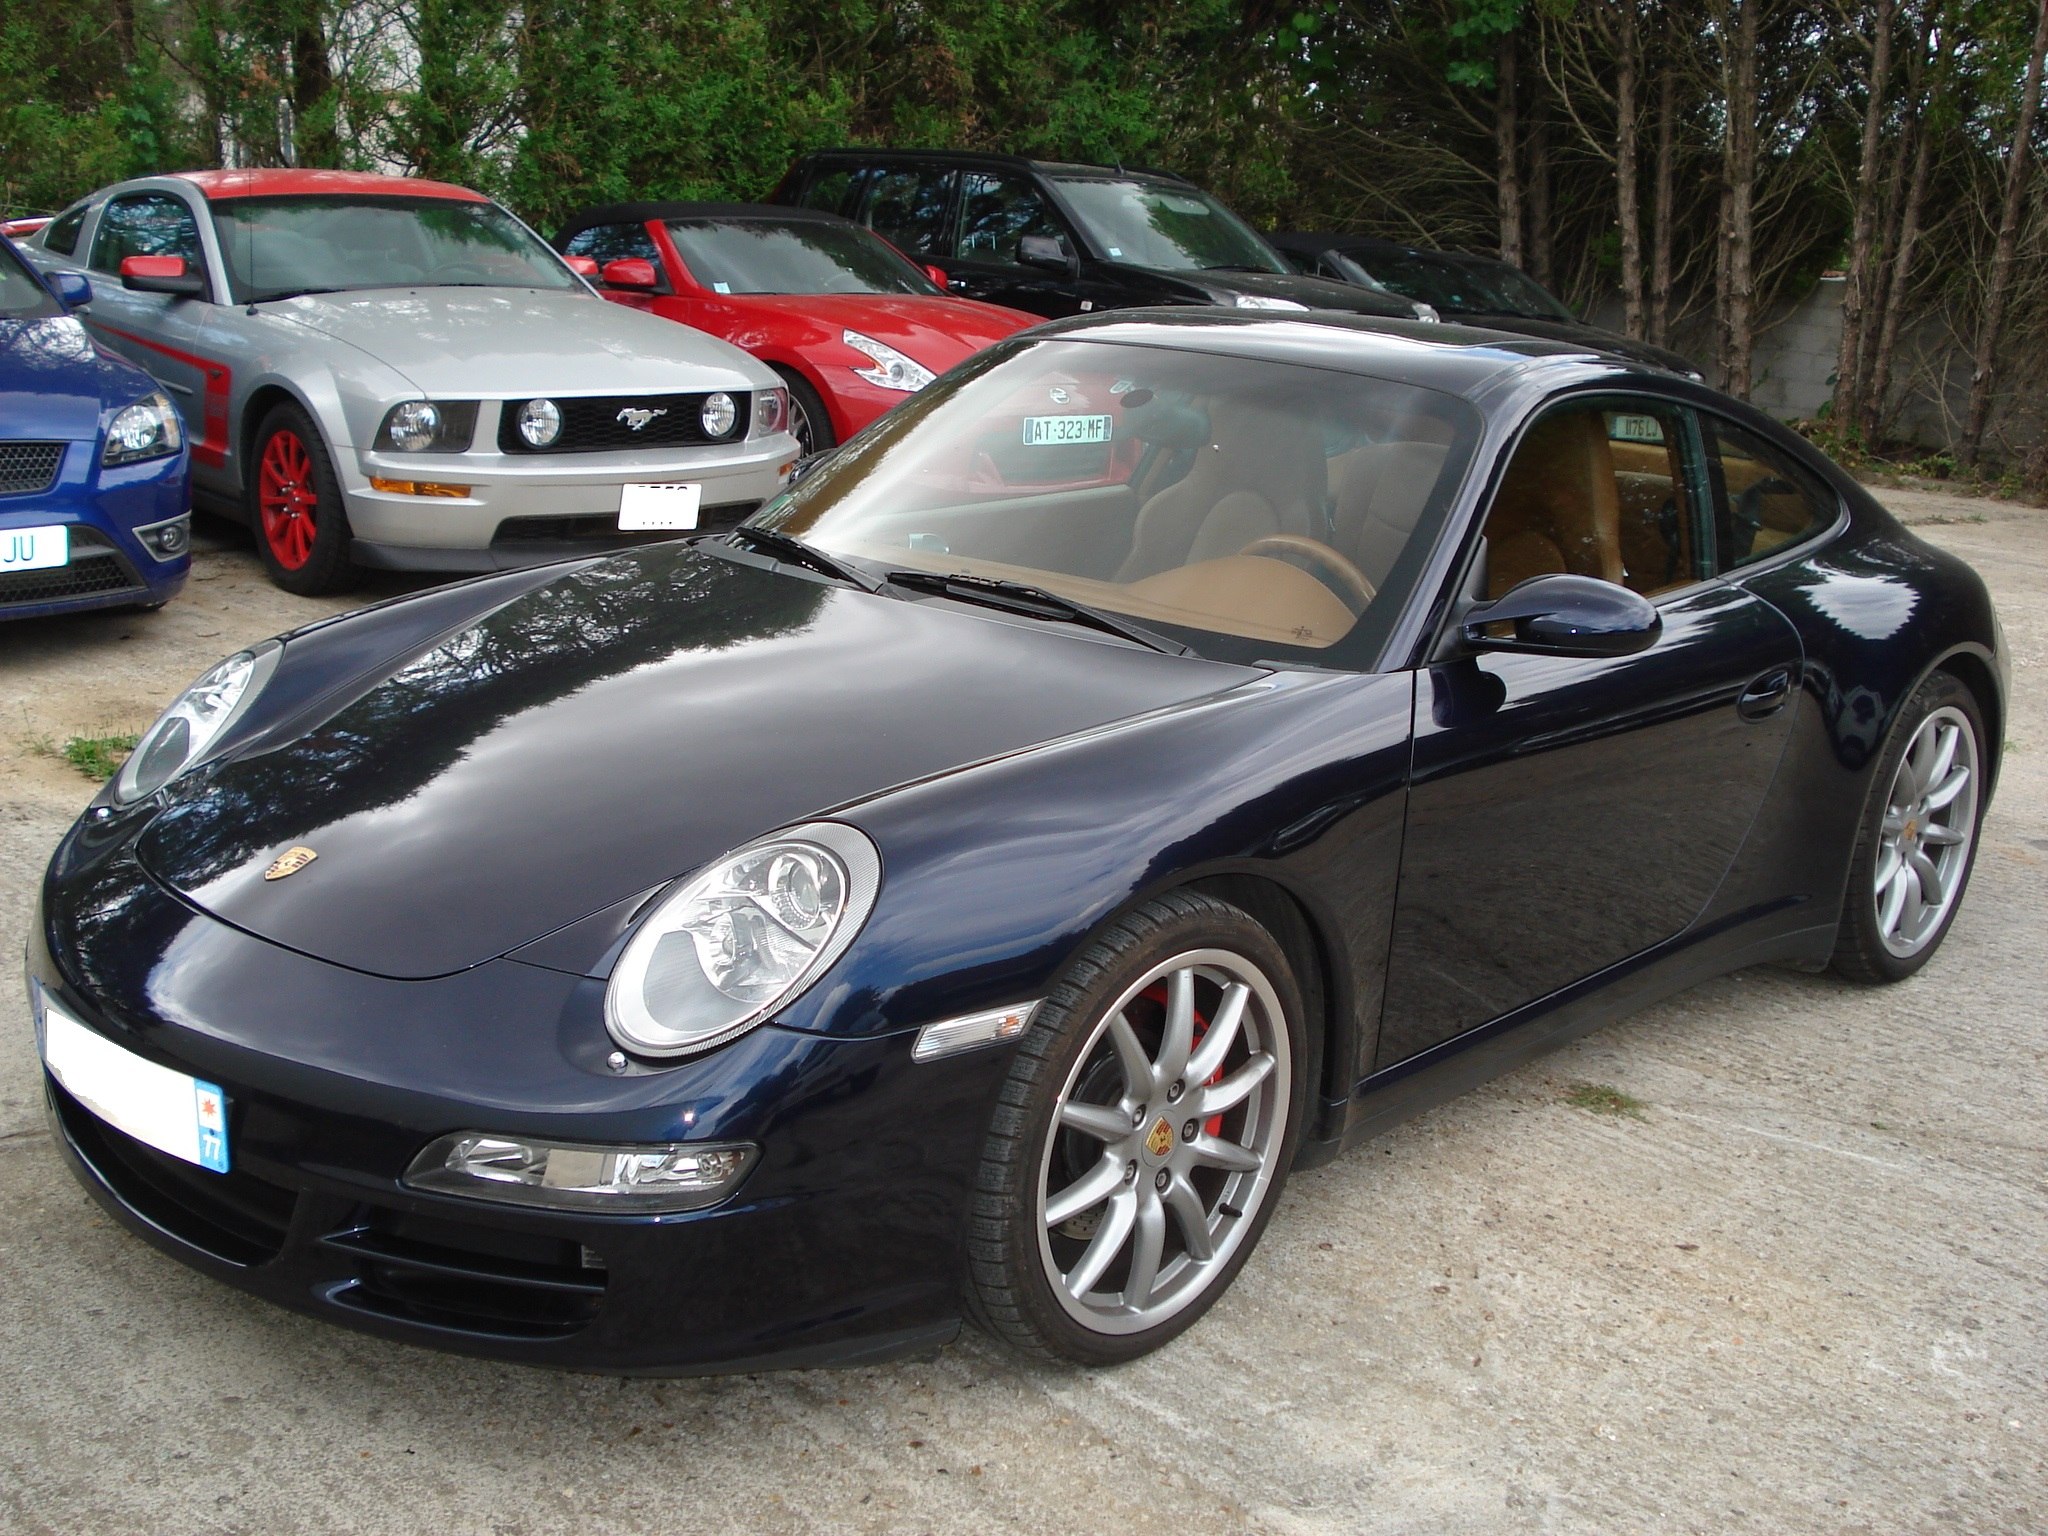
(279, 246)
(797, 256)
(1245, 509)
(1176, 228)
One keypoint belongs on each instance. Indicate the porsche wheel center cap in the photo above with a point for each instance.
(1159, 1140)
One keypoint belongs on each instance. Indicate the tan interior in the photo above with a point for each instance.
(1261, 472)
(1378, 493)
(1557, 509)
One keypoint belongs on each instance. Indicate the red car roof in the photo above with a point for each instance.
(293, 183)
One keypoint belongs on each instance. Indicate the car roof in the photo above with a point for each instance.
(641, 213)
(286, 182)
(969, 157)
(1454, 359)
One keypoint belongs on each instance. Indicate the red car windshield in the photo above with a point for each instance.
(280, 246)
(793, 256)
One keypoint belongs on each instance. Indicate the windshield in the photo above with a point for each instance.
(1247, 509)
(1456, 287)
(800, 256)
(21, 296)
(279, 246)
(1176, 228)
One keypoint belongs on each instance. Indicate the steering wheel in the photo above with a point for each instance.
(1331, 568)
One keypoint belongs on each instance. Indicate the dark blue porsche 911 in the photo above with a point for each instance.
(1166, 751)
(93, 506)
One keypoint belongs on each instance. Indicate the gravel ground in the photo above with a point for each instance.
(1803, 1291)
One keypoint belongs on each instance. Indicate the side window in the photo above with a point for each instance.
(62, 235)
(835, 191)
(907, 208)
(996, 212)
(146, 224)
(1596, 489)
(1762, 501)
(615, 242)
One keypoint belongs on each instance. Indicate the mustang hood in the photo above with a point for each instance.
(524, 341)
(617, 727)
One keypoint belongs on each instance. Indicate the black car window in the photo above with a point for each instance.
(146, 224)
(1597, 488)
(62, 235)
(908, 209)
(836, 190)
(1762, 500)
(1456, 286)
(617, 242)
(759, 255)
(21, 296)
(996, 212)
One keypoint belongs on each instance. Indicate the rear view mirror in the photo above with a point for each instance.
(1048, 251)
(630, 272)
(161, 274)
(938, 275)
(1560, 615)
(74, 288)
(582, 266)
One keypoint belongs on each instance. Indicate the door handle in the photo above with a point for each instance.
(1766, 695)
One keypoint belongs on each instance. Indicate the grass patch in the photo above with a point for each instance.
(1603, 1099)
(98, 757)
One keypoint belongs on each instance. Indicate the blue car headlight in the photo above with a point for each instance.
(740, 938)
(148, 429)
(185, 734)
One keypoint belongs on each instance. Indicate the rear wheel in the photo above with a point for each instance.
(1142, 1136)
(295, 506)
(809, 422)
(1919, 836)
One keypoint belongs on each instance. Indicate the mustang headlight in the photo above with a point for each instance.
(148, 429)
(892, 369)
(185, 733)
(770, 414)
(423, 426)
(741, 938)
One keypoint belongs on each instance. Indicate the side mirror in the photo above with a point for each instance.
(582, 266)
(939, 275)
(73, 288)
(1049, 252)
(161, 274)
(1562, 615)
(630, 272)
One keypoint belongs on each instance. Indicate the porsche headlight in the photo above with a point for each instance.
(185, 733)
(892, 369)
(740, 938)
(148, 429)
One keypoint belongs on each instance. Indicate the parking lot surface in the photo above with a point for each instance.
(1802, 1288)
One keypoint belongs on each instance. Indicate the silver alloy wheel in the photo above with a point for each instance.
(1924, 841)
(800, 427)
(1187, 1151)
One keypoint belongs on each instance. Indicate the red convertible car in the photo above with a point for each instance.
(850, 322)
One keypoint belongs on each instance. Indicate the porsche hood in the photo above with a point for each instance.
(617, 727)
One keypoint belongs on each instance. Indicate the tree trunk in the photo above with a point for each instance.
(1627, 68)
(1907, 206)
(1542, 245)
(1506, 134)
(1738, 158)
(2002, 255)
(1861, 278)
(1660, 202)
(313, 137)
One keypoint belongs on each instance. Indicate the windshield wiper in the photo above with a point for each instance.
(293, 293)
(1036, 602)
(795, 551)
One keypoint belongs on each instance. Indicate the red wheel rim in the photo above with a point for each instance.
(286, 500)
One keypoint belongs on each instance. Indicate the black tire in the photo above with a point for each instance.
(1008, 1289)
(1861, 951)
(809, 422)
(294, 506)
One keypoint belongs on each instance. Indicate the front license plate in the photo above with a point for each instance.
(34, 549)
(181, 1115)
(1041, 430)
(658, 508)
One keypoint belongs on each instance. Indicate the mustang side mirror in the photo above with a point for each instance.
(1048, 251)
(630, 272)
(582, 266)
(1561, 615)
(73, 288)
(161, 274)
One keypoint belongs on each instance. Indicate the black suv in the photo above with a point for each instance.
(1058, 239)
(1468, 289)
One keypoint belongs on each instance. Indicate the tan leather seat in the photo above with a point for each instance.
(1557, 509)
(1381, 490)
(1259, 472)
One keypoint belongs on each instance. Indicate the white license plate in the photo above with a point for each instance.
(34, 549)
(181, 1115)
(1041, 430)
(658, 508)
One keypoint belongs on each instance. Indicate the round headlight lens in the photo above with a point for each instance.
(719, 414)
(540, 422)
(185, 732)
(414, 425)
(741, 938)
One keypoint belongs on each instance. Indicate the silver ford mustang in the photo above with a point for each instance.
(384, 371)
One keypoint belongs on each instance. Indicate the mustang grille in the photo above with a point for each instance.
(599, 423)
(26, 468)
(95, 570)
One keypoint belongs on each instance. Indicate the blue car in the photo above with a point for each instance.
(94, 508)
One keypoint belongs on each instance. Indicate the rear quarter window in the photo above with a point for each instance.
(1763, 501)
(62, 234)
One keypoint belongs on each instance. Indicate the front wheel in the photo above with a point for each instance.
(302, 531)
(809, 423)
(1919, 836)
(1142, 1136)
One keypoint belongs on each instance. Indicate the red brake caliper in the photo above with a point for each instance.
(1213, 1126)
